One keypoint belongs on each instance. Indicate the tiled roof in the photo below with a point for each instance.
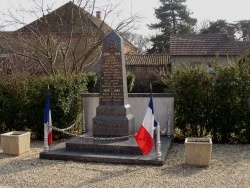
(203, 44)
(61, 18)
(147, 60)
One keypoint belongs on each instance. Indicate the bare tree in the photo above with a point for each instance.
(141, 42)
(67, 40)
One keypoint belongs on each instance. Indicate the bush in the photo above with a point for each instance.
(11, 104)
(214, 103)
(27, 112)
(193, 91)
(226, 100)
(130, 81)
(91, 81)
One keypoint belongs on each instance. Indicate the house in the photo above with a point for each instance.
(204, 49)
(45, 42)
(145, 68)
(67, 39)
(6, 62)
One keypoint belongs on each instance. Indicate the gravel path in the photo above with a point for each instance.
(230, 167)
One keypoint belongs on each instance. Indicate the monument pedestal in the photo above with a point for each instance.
(127, 147)
(113, 121)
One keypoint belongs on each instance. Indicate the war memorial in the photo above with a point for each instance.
(112, 117)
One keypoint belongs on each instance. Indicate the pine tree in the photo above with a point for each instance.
(243, 27)
(219, 26)
(174, 19)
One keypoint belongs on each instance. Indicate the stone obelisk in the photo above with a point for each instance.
(113, 117)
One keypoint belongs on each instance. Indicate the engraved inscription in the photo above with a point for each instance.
(112, 79)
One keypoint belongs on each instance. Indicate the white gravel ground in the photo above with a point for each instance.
(229, 167)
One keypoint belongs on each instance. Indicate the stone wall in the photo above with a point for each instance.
(163, 103)
(191, 61)
(144, 75)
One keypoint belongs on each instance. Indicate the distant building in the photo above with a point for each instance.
(205, 49)
(67, 36)
(146, 69)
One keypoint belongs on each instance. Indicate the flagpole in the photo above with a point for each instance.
(168, 126)
(158, 142)
(158, 134)
(46, 130)
(83, 118)
(46, 145)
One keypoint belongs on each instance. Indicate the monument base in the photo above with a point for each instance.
(127, 147)
(102, 126)
(113, 121)
(102, 151)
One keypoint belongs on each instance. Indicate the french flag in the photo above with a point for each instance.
(47, 119)
(144, 137)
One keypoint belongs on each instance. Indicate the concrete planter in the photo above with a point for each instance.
(198, 151)
(15, 142)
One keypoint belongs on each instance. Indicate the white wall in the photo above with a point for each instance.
(163, 103)
(177, 61)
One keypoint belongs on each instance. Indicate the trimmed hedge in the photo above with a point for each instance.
(212, 103)
(22, 102)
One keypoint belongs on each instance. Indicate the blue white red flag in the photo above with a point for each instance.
(145, 136)
(47, 119)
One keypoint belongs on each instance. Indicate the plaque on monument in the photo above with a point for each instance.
(113, 117)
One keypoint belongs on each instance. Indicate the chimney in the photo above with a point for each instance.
(230, 31)
(98, 15)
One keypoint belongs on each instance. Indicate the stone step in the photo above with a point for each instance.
(59, 152)
(128, 147)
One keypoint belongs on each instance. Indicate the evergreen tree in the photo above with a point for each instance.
(174, 19)
(219, 26)
(243, 27)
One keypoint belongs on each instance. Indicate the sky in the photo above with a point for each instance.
(211, 10)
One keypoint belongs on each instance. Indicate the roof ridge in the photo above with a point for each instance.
(98, 23)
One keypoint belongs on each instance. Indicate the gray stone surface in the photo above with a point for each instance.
(117, 152)
(113, 126)
(113, 82)
(126, 146)
(113, 117)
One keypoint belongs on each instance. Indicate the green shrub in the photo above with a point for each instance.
(158, 86)
(91, 81)
(226, 100)
(28, 111)
(193, 91)
(11, 103)
(130, 81)
(214, 103)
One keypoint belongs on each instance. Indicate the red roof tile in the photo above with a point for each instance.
(203, 44)
(147, 60)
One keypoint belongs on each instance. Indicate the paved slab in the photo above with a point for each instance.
(114, 154)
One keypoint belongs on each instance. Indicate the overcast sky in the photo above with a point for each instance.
(212, 10)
